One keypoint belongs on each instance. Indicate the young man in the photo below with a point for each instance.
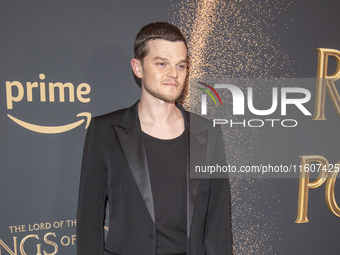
(137, 159)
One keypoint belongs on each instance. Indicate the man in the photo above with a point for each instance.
(137, 159)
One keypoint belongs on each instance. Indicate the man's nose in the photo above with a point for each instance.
(173, 72)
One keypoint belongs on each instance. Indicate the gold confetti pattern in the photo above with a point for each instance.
(236, 39)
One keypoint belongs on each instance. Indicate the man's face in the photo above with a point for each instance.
(164, 69)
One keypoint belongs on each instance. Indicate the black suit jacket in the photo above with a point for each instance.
(115, 170)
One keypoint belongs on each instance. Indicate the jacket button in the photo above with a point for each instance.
(152, 236)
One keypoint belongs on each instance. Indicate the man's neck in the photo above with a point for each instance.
(160, 119)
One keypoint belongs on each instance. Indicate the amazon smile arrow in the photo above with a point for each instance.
(53, 129)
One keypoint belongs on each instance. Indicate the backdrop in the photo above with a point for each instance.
(65, 61)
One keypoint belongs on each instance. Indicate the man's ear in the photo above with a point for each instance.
(137, 67)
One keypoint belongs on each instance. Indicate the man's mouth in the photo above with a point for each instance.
(170, 83)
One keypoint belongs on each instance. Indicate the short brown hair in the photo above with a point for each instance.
(152, 31)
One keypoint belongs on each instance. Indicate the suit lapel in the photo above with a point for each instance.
(130, 138)
(196, 154)
(129, 135)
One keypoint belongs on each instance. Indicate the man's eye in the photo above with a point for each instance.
(161, 64)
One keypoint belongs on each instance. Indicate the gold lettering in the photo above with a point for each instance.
(326, 82)
(29, 88)
(61, 88)
(48, 225)
(36, 226)
(39, 249)
(63, 242)
(81, 92)
(305, 185)
(9, 95)
(15, 252)
(330, 197)
(20, 228)
(50, 243)
(73, 237)
(71, 223)
(23, 242)
(42, 88)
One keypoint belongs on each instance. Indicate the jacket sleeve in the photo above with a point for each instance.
(92, 195)
(218, 237)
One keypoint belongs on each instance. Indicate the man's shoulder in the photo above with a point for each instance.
(199, 119)
(115, 117)
(111, 117)
(197, 122)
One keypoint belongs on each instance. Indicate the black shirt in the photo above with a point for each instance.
(167, 163)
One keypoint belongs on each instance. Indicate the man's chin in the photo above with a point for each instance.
(166, 98)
